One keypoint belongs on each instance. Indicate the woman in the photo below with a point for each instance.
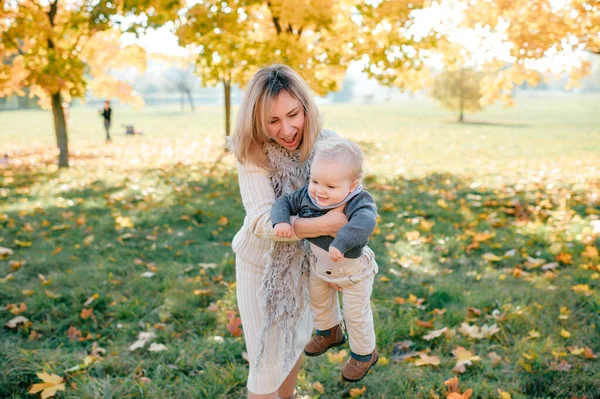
(277, 127)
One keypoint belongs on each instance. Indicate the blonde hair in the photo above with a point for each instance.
(251, 128)
(341, 149)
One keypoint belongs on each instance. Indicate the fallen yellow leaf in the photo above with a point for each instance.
(427, 360)
(52, 383)
(504, 394)
(356, 392)
(317, 386)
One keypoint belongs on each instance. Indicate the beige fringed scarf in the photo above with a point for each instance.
(284, 286)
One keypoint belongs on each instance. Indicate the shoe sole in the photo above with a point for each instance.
(358, 379)
(333, 345)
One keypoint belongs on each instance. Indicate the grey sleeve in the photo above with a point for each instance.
(362, 219)
(286, 206)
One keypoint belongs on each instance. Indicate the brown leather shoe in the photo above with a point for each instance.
(324, 340)
(358, 366)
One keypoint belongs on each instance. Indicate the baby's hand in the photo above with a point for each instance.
(283, 230)
(335, 254)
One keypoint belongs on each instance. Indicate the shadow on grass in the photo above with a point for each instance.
(157, 254)
(488, 123)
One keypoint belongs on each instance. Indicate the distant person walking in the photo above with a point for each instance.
(106, 114)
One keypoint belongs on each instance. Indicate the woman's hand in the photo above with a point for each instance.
(326, 225)
(334, 220)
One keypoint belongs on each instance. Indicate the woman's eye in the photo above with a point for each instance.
(294, 115)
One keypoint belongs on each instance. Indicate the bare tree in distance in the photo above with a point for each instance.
(182, 81)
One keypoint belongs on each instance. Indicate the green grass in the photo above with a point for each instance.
(527, 176)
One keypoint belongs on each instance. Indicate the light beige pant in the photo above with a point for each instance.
(356, 277)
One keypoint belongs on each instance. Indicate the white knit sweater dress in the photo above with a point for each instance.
(251, 245)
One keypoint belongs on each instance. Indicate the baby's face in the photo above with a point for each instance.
(330, 182)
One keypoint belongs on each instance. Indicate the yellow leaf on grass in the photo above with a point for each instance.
(564, 333)
(87, 313)
(456, 395)
(18, 310)
(384, 279)
(582, 289)
(426, 225)
(590, 252)
(534, 334)
(575, 350)
(88, 240)
(504, 394)
(435, 334)
(356, 392)
(463, 358)
(52, 294)
(223, 221)
(490, 257)
(564, 258)
(589, 354)
(52, 383)
(317, 386)
(427, 360)
(123, 222)
(413, 235)
(337, 358)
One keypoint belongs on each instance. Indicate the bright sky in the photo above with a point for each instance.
(482, 45)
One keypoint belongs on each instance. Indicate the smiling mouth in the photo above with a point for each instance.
(291, 139)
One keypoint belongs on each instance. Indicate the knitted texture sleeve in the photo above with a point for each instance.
(286, 206)
(362, 219)
(258, 197)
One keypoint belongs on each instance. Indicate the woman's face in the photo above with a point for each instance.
(285, 123)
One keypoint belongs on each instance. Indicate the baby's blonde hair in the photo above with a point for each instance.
(341, 149)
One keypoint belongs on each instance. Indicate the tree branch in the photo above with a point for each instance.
(11, 41)
(275, 19)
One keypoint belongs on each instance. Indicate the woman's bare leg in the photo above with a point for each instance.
(287, 388)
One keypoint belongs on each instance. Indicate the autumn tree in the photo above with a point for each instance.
(535, 30)
(458, 90)
(318, 38)
(56, 46)
(393, 51)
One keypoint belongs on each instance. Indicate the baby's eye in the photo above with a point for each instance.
(331, 186)
(294, 114)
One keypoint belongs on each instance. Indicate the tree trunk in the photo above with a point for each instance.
(190, 99)
(227, 86)
(60, 129)
(461, 118)
(182, 100)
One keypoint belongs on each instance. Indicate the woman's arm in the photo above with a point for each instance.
(326, 225)
(258, 197)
